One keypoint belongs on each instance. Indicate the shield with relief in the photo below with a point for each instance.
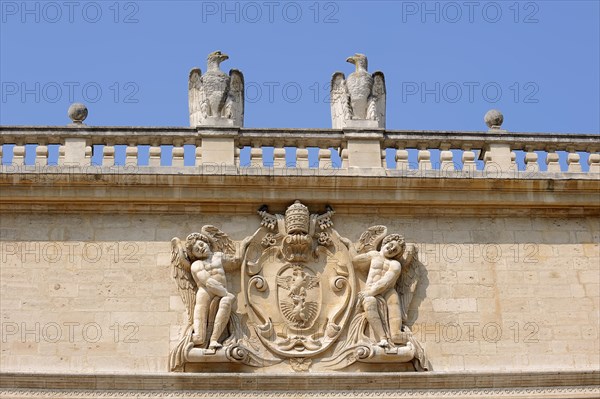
(298, 283)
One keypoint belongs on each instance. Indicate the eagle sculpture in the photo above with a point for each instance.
(360, 96)
(216, 94)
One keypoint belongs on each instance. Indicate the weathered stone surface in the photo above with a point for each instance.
(524, 290)
(215, 98)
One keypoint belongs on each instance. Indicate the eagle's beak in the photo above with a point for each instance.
(224, 57)
(350, 60)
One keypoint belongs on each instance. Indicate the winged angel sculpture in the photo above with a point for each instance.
(198, 266)
(215, 94)
(388, 301)
(360, 96)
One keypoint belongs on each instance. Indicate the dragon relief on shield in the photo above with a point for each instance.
(309, 297)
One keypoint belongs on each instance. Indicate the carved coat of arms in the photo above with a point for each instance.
(303, 295)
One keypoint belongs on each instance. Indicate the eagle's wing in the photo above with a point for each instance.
(407, 284)
(311, 309)
(196, 98)
(284, 282)
(340, 101)
(376, 109)
(312, 281)
(180, 269)
(221, 241)
(370, 239)
(287, 309)
(235, 98)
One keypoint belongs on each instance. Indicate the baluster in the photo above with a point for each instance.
(256, 160)
(131, 154)
(384, 158)
(402, 159)
(41, 155)
(1, 154)
(302, 158)
(573, 160)
(531, 160)
(344, 158)
(108, 156)
(154, 155)
(18, 155)
(468, 159)
(279, 157)
(446, 162)
(594, 162)
(325, 158)
(552, 160)
(177, 154)
(424, 157)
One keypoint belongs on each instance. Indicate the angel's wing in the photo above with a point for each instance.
(284, 282)
(376, 109)
(220, 241)
(370, 239)
(180, 269)
(340, 101)
(236, 97)
(406, 285)
(196, 97)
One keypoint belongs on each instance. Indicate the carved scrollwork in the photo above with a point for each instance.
(310, 297)
(259, 283)
(268, 240)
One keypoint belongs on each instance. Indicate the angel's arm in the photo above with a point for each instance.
(215, 287)
(362, 260)
(235, 261)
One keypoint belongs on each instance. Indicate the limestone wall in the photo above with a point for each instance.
(86, 292)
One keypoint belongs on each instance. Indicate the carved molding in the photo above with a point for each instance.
(501, 384)
(507, 393)
(191, 192)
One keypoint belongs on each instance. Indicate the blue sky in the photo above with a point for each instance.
(446, 63)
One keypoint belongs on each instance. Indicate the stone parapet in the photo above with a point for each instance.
(373, 151)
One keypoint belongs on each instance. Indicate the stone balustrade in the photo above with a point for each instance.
(495, 153)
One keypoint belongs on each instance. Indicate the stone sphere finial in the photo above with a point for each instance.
(493, 119)
(78, 112)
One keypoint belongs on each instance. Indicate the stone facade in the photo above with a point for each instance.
(93, 293)
(511, 290)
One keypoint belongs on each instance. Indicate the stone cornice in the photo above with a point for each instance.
(572, 384)
(125, 190)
